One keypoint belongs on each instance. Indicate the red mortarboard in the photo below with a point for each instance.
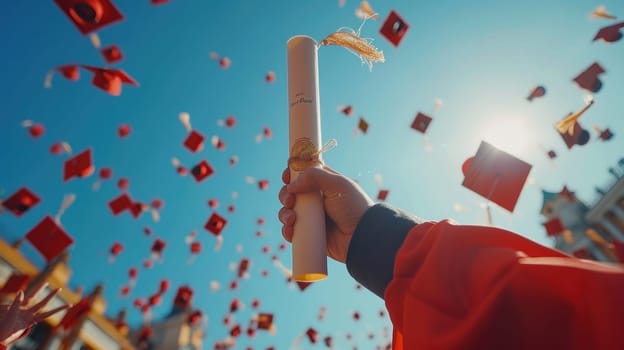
(235, 331)
(588, 79)
(36, 130)
(213, 203)
(266, 131)
(158, 246)
(606, 135)
(230, 121)
(328, 341)
(123, 184)
(116, 249)
(112, 54)
(70, 71)
(21, 201)
(394, 28)
(382, 195)
(554, 227)
(90, 15)
(163, 287)
(265, 321)
(120, 204)
(202, 171)
(136, 209)
(215, 224)
(196, 247)
(537, 92)
(74, 314)
(194, 141)
(263, 184)
(363, 125)
(243, 266)
(496, 175)
(110, 80)
(552, 154)
(255, 303)
(312, 335)
(421, 122)
(105, 173)
(80, 165)
(579, 136)
(270, 77)
(49, 238)
(611, 33)
(15, 283)
(348, 110)
(218, 143)
(123, 130)
(56, 148)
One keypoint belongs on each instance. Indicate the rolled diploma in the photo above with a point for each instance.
(309, 241)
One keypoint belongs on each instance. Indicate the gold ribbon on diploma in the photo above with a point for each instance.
(304, 155)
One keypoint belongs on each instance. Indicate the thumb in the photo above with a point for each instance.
(315, 180)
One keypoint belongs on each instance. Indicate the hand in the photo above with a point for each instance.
(344, 201)
(17, 319)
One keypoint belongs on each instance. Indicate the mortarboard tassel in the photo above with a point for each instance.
(67, 202)
(361, 47)
(185, 119)
(365, 11)
(47, 81)
(566, 125)
(280, 266)
(601, 13)
(219, 243)
(95, 40)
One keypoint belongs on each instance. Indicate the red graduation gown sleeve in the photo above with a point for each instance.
(471, 287)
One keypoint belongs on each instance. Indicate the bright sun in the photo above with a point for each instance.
(511, 134)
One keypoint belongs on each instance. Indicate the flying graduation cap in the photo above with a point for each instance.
(194, 142)
(90, 15)
(578, 136)
(589, 78)
(421, 122)
(112, 54)
(49, 238)
(201, 171)
(21, 201)
(538, 91)
(610, 34)
(81, 165)
(110, 80)
(394, 28)
(496, 175)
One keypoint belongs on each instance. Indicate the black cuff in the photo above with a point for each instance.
(375, 242)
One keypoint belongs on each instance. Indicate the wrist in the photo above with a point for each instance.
(378, 236)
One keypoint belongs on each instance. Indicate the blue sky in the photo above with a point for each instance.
(481, 58)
